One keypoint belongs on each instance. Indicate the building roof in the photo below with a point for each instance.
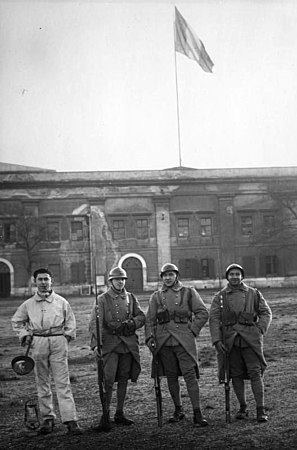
(7, 167)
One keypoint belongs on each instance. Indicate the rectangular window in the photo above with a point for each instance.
(205, 268)
(55, 270)
(271, 265)
(53, 231)
(142, 228)
(246, 225)
(78, 272)
(119, 231)
(205, 226)
(76, 231)
(268, 223)
(183, 227)
(8, 232)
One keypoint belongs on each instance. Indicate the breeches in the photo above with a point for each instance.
(117, 367)
(175, 361)
(51, 356)
(244, 361)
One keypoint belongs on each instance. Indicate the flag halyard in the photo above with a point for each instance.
(188, 43)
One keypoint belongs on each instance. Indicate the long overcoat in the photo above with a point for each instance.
(180, 302)
(259, 318)
(113, 309)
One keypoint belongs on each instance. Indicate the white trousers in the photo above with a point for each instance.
(51, 358)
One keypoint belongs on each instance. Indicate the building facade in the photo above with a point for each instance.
(81, 224)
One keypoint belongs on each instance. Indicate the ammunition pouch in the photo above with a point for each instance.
(246, 318)
(181, 317)
(163, 317)
(230, 318)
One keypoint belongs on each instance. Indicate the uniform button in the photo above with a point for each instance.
(177, 326)
(118, 320)
(117, 312)
(176, 303)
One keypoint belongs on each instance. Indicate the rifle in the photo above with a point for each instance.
(157, 386)
(104, 424)
(226, 367)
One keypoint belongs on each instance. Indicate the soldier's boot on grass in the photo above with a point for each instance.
(198, 418)
(47, 427)
(261, 414)
(242, 413)
(105, 424)
(177, 415)
(73, 427)
(120, 419)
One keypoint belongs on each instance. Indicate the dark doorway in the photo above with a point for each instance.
(4, 280)
(133, 267)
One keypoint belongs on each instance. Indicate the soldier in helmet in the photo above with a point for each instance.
(174, 319)
(239, 318)
(120, 316)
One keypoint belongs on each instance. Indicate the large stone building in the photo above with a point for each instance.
(80, 224)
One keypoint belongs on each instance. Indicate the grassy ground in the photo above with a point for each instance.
(280, 387)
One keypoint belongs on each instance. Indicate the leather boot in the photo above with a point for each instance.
(120, 419)
(104, 424)
(177, 415)
(47, 427)
(198, 419)
(73, 427)
(242, 413)
(261, 415)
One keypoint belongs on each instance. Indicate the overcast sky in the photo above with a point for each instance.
(90, 85)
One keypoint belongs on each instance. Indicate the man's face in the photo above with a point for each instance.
(43, 282)
(235, 277)
(169, 278)
(118, 283)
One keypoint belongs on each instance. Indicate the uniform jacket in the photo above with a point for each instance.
(44, 315)
(187, 314)
(251, 323)
(113, 309)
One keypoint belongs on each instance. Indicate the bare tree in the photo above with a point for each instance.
(30, 231)
(282, 229)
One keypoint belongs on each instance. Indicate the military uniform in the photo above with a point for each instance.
(240, 317)
(174, 320)
(119, 315)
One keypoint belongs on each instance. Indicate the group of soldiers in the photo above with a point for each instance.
(239, 317)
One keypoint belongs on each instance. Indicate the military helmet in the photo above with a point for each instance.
(169, 267)
(117, 272)
(234, 266)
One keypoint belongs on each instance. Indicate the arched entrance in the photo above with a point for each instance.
(5, 285)
(134, 270)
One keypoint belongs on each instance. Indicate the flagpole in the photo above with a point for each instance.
(177, 102)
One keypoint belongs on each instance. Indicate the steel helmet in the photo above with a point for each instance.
(117, 272)
(234, 266)
(169, 267)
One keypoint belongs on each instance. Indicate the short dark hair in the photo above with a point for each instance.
(42, 270)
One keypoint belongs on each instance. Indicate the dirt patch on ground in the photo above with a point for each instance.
(280, 386)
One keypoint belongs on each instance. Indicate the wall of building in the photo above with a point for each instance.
(200, 220)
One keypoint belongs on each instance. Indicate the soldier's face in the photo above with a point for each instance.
(43, 282)
(234, 277)
(169, 278)
(118, 283)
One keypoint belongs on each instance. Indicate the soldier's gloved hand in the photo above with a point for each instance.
(220, 348)
(26, 340)
(151, 343)
(129, 327)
